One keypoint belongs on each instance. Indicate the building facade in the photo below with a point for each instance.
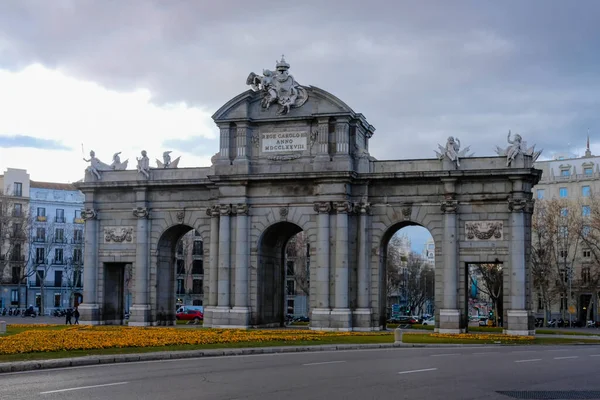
(189, 255)
(55, 266)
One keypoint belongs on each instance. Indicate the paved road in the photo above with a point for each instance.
(430, 373)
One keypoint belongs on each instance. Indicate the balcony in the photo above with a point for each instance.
(17, 258)
(76, 241)
(58, 261)
(41, 218)
(59, 240)
(39, 240)
(78, 221)
(59, 220)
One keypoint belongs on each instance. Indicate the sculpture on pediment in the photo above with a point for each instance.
(452, 151)
(517, 146)
(278, 87)
(96, 166)
(167, 163)
(117, 165)
(143, 164)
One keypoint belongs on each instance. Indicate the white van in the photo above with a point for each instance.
(183, 309)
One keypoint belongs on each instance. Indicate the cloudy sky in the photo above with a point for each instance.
(113, 75)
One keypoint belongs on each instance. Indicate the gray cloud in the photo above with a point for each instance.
(31, 142)
(417, 70)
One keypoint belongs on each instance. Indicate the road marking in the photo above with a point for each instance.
(325, 362)
(84, 387)
(594, 355)
(445, 354)
(559, 350)
(484, 352)
(417, 370)
(524, 351)
(532, 360)
(564, 358)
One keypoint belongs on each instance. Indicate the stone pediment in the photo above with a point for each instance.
(247, 106)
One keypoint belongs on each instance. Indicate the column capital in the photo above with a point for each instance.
(225, 210)
(362, 208)
(141, 212)
(449, 206)
(342, 207)
(88, 213)
(212, 211)
(241, 209)
(322, 207)
(520, 205)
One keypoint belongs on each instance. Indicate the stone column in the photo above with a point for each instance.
(90, 309)
(140, 309)
(321, 312)
(241, 141)
(342, 137)
(518, 315)
(213, 263)
(450, 314)
(323, 140)
(240, 314)
(341, 315)
(363, 263)
(224, 142)
(224, 256)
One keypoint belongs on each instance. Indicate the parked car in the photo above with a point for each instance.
(430, 321)
(190, 315)
(403, 320)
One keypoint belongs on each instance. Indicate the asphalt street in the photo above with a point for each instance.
(411, 373)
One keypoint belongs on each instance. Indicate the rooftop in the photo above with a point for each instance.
(52, 185)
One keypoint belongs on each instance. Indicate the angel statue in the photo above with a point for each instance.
(117, 164)
(452, 151)
(96, 166)
(143, 165)
(167, 163)
(517, 146)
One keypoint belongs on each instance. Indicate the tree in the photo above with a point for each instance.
(395, 268)
(490, 283)
(589, 230)
(419, 283)
(298, 249)
(542, 255)
(14, 234)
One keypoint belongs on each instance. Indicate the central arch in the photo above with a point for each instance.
(271, 273)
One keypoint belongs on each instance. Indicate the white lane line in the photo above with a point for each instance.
(445, 354)
(558, 350)
(531, 360)
(524, 351)
(484, 352)
(325, 362)
(594, 355)
(417, 370)
(564, 358)
(84, 387)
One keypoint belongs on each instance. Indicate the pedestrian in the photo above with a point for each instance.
(69, 316)
(76, 315)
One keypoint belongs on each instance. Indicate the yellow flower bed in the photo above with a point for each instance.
(483, 336)
(86, 337)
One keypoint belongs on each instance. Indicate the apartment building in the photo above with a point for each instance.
(189, 257)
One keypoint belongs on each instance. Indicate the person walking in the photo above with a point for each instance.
(76, 315)
(69, 316)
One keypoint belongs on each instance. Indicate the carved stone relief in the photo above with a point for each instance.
(118, 234)
(484, 230)
(141, 212)
(322, 207)
(88, 213)
(449, 206)
(180, 216)
(283, 212)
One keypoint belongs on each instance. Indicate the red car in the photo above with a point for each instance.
(190, 315)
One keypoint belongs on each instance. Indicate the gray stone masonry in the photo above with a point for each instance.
(308, 170)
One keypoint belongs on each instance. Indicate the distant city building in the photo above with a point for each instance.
(428, 253)
(189, 257)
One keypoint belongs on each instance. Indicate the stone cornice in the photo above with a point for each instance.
(342, 207)
(322, 207)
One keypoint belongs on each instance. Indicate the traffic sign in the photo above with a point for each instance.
(572, 310)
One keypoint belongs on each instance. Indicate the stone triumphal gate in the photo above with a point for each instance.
(296, 158)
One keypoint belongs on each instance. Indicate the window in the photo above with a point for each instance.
(77, 278)
(179, 250)
(197, 286)
(77, 214)
(563, 192)
(78, 236)
(564, 212)
(17, 210)
(586, 230)
(14, 297)
(40, 255)
(290, 306)
(585, 275)
(40, 235)
(197, 267)
(291, 287)
(16, 253)
(39, 277)
(586, 211)
(585, 191)
(16, 275)
(60, 215)
(290, 268)
(41, 212)
(563, 276)
(197, 302)
(565, 172)
(17, 230)
(563, 253)
(563, 231)
(540, 303)
(588, 171)
(197, 249)
(59, 235)
(77, 256)
(56, 299)
(180, 287)
(58, 256)
(563, 302)
(18, 189)
(58, 275)
(587, 253)
(180, 267)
